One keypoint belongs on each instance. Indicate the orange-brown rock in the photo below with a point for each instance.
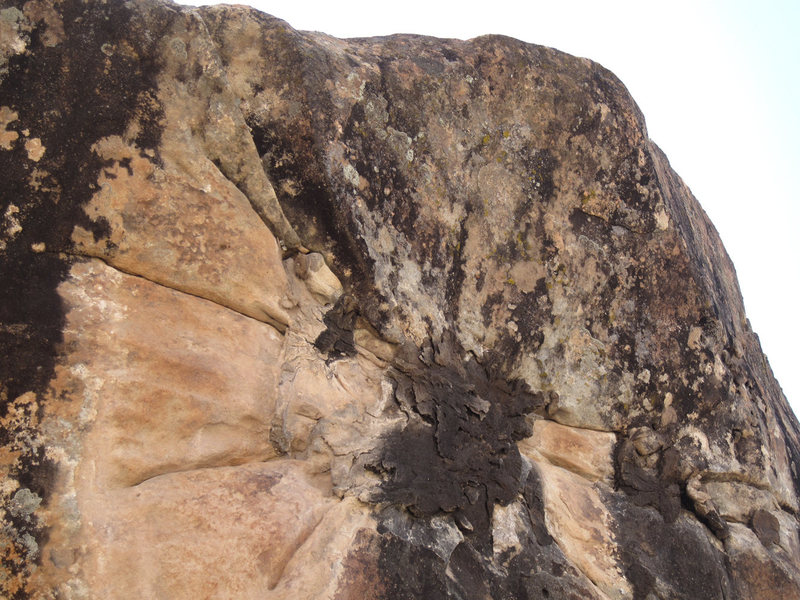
(587, 453)
(285, 316)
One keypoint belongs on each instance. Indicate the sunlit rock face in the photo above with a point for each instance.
(286, 316)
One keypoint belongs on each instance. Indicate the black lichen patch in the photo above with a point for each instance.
(87, 87)
(457, 455)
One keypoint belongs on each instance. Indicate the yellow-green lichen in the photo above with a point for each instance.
(587, 196)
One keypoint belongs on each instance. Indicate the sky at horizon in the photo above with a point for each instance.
(718, 82)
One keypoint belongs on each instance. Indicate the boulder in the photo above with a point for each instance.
(288, 316)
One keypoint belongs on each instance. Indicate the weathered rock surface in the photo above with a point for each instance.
(287, 316)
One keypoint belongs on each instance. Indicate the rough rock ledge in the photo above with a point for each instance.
(284, 316)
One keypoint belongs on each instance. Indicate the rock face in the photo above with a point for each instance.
(287, 316)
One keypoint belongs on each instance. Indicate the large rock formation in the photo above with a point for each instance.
(288, 316)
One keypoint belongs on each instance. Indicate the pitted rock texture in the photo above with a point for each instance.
(287, 316)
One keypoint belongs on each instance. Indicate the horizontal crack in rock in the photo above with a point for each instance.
(280, 326)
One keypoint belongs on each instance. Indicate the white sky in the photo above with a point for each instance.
(718, 82)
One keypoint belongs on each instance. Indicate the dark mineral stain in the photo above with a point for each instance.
(292, 151)
(679, 554)
(450, 55)
(591, 226)
(456, 274)
(69, 96)
(538, 569)
(587, 121)
(410, 572)
(469, 574)
(540, 165)
(403, 102)
(337, 339)
(660, 489)
(789, 429)
(534, 500)
(529, 311)
(766, 526)
(492, 302)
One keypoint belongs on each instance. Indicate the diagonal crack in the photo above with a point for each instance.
(280, 326)
(231, 147)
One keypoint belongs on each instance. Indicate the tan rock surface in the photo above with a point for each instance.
(587, 453)
(219, 532)
(578, 519)
(171, 382)
(194, 233)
